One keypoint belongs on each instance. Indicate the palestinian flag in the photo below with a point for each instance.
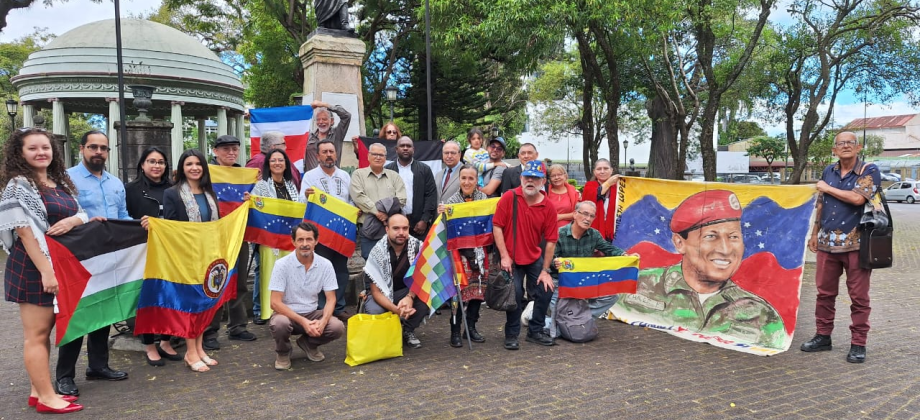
(99, 267)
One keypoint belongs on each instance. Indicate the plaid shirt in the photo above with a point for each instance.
(569, 247)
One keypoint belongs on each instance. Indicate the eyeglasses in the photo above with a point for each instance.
(35, 129)
(378, 155)
(155, 162)
(586, 214)
(392, 132)
(449, 153)
(851, 143)
(97, 147)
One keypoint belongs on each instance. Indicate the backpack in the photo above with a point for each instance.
(573, 320)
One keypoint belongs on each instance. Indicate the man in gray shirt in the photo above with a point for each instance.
(326, 129)
(492, 178)
(296, 282)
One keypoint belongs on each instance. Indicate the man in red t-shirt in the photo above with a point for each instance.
(522, 256)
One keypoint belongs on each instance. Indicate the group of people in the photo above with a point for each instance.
(535, 224)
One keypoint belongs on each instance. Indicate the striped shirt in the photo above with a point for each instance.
(301, 288)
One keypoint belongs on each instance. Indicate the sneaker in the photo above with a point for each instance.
(243, 336)
(817, 343)
(210, 344)
(313, 353)
(857, 354)
(411, 340)
(283, 361)
(539, 338)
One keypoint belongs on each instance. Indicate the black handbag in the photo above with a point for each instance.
(500, 294)
(876, 238)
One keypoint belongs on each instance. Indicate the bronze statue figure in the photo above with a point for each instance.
(332, 14)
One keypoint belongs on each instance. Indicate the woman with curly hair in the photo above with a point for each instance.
(38, 199)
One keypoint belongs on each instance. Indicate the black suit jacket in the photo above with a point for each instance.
(424, 192)
(511, 179)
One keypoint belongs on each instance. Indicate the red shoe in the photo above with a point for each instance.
(73, 407)
(69, 398)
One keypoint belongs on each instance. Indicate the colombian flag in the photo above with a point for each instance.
(230, 183)
(336, 220)
(586, 278)
(271, 221)
(469, 225)
(190, 273)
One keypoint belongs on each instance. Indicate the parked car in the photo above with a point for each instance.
(777, 178)
(903, 191)
(891, 177)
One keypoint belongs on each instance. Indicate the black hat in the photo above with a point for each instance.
(226, 139)
(501, 141)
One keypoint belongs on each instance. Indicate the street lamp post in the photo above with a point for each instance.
(495, 132)
(625, 149)
(391, 98)
(12, 108)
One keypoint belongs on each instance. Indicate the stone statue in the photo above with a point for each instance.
(332, 14)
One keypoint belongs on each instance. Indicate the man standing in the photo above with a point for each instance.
(511, 179)
(329, 179)
(698, 293)
(369, 186)
(226, 150)
(326, 129)
(843, 190)
(297, 280)
(421, 192)
(271, 140)
(492, 178)
(386, 270)
(103, 197)
(448, 178)
(520, 252)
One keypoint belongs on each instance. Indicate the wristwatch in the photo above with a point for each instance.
(547, 270)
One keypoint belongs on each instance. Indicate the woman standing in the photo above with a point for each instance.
(192, 199)
(563, 195)
(277, 182)
(472, 293)
(598, 191)
(144, 198)
(390, 132)
(38, 199)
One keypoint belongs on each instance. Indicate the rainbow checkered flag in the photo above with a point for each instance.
(431, 275)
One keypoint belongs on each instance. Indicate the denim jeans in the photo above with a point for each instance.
(340, 265)
(527, 275)
(257, 284)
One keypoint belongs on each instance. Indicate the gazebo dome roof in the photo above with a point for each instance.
(81, 63)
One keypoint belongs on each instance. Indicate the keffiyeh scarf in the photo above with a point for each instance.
(21, 206)
(379, 268)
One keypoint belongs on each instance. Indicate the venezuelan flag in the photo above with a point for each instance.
(431, 276)
(230, 183)
(189, 273)
(271, 221)
(586, 278)
(469, 225)
(336, 220)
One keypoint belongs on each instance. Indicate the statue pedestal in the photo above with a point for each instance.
(332, 74)
(141, 135)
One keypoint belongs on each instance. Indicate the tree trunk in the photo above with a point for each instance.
(663, 155)
(707, 129)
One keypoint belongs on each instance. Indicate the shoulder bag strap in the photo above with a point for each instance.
(514, 214)
(887, 211)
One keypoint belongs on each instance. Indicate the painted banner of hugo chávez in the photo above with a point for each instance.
(719, 263)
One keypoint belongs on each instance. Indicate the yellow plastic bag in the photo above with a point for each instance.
(372, 338)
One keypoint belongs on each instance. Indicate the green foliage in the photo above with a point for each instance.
(767, 148)
(272, 58)
(740, 130)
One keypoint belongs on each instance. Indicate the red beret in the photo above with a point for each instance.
(706, 208)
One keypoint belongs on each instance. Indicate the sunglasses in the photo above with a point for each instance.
(392, 132)
(34, 129)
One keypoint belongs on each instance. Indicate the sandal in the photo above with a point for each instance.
(198, 366)
(209, 361)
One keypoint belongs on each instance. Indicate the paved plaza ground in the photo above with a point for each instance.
(628, 372)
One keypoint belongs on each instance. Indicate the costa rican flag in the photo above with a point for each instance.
(293, 121)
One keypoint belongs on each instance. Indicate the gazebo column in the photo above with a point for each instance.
(27, 112)
(221, 121)
(114, 115)
(59, 126)
(245, 148)
(202, 137)
(176, 139)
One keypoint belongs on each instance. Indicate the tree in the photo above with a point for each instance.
(832, 46)
(740, 130)
(769, 149)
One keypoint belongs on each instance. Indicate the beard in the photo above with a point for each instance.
(94, 164)
(323, 130)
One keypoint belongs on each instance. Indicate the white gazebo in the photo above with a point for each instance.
(77, 72)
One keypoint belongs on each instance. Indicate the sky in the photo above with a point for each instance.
(62, 17)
